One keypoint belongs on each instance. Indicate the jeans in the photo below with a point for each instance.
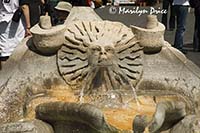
(196, 39)
(166, 5)
(181, 14)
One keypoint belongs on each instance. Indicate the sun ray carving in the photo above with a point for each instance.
(100, 54)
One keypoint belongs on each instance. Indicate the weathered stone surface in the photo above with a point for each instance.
(48, 41)
(152, 37)
(31, 126)
(140, 123)
(190, 124)
(22, 74)
(97, 53)
(45, 22)
(82, 13)
(166, 72)
(167, 115)
(73, 117)
(24, 70)
(170, 73)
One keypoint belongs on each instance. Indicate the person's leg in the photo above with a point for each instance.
(172, 17)
(4, 33)
(181, 13)
(11, 35)
(195, 37)
(198, 33)
(164, 16)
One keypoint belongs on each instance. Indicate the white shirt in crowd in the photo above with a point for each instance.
(11, 33)
(181, 2)
(7, 9)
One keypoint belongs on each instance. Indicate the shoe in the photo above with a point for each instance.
(4, 58)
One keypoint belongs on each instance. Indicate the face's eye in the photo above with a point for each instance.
(109, 49)
(96, 48)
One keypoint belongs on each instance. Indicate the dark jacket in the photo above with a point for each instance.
(196, 5)
(35, 10)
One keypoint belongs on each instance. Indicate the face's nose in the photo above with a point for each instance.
(102, 51)
(103, 54)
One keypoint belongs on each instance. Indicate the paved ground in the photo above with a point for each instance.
(134, 19)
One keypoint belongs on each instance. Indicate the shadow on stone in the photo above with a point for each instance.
(33, 48)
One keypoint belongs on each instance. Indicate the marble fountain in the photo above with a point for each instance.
(90, 75)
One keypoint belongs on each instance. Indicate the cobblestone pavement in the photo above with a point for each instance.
(115, 14)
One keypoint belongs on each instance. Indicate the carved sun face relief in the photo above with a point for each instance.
(101, 54)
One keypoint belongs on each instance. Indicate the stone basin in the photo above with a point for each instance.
(119, 117)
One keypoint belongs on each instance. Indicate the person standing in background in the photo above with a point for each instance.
(62, 11)
(181, 11)
(48, 7)
(34, 7)
(11, 32)
(26, 13)
(196, 39)
(166, 5)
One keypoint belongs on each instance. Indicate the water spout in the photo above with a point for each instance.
(81, 97)
(135, 97)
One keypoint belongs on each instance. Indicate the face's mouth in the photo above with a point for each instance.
(107, 65)
(104, 63)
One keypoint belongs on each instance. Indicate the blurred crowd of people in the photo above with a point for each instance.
(178, 16)
(196, 40)
(18, 16)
